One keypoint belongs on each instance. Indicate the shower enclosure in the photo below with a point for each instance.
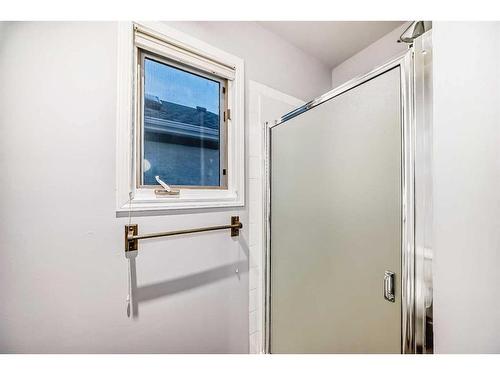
(348, 202)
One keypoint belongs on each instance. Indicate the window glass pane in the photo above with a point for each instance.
(181, 126)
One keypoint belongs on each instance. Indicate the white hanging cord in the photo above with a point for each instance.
(129, 207)
(129, 273)
(130, 302)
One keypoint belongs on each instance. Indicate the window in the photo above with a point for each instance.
(183, 125)
(180, 117)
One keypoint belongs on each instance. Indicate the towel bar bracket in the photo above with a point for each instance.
(132, 237)
(131, 244)
(235, 226)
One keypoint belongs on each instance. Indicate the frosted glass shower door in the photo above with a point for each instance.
(336, 223)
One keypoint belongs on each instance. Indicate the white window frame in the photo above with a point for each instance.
(130, 197)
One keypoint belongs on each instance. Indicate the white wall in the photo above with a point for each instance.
(62, 266)
(372, 56)
(269, 59)
(467, 187)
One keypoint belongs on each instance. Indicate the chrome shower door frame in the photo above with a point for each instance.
(416, 288)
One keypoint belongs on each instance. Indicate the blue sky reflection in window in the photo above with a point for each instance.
(181, 126)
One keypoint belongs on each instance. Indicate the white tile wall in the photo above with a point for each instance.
(252, 327)
(252, 304)
(253, 232)
(255, 167)
(254, 281)
(255, 175)
(255, 256)
(255, 343)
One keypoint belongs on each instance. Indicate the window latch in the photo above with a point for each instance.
(227, 114)
(167, 190)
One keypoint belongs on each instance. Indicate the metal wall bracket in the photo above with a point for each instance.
(235, 226)
(131, 244)
(227, 114)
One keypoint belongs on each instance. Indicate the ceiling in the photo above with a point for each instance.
(331, 42)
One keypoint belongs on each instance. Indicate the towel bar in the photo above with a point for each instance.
(132, 238)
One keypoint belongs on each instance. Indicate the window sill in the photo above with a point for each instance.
(146, 200)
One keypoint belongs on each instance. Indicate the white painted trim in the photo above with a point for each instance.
(159, 43)
(124, 115)
(257, 203)
(145, 199)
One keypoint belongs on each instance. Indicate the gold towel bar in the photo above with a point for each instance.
(132, 238)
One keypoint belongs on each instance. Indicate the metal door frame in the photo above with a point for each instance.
(416, 251)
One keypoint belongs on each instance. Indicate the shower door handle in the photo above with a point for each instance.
(389, 294)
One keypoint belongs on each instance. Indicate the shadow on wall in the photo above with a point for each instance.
(150, 292)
